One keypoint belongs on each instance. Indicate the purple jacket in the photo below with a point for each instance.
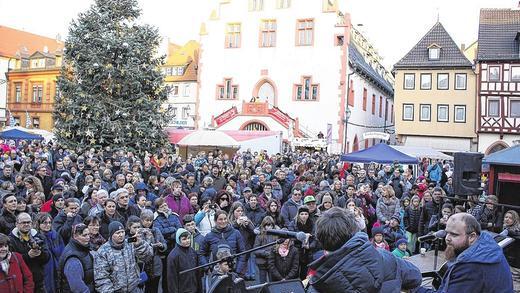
(181, 206)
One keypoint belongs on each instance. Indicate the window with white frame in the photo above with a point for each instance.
(233, 35)
(514, 108)
(493, 108)
(426, 81)
(407, 112)
(434, 53)
(38, 63)
(305, 32)
(256, 5)
(460, 81)
(18, 92)
(409, 81)
(443, 81)
(185, 112)
(175, 90)
(280, 4)
(37, 93)
(443, 113)
(186, 90)
(460, 113)
(268, 33)
(425, 112)
(494, 73)
(515, 73)
(36, 122)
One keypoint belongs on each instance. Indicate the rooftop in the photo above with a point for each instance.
(498, 34)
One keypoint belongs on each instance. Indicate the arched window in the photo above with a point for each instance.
(265, 91)
(255, 126)
(496, 146)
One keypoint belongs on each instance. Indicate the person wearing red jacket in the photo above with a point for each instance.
(15, 275)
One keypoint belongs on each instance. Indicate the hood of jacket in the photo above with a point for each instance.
(355, 267)
(178, 235)
(16, 232)
(485, 250)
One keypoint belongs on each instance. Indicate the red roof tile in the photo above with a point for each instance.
(13, 40)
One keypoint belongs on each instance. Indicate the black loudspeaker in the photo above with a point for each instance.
(466, 173)
(289, 286)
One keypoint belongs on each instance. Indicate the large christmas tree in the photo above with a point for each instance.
(111, 89)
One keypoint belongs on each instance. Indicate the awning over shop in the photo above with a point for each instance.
(509, 177)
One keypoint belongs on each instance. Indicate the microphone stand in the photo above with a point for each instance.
(209, 264)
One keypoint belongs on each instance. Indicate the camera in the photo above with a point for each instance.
(35, 243)
(212, 206)
(132, 239)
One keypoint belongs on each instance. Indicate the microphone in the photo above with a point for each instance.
(288, 234)
(432, 236)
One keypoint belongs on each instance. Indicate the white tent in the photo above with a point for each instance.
(208, 138)
(422, 152)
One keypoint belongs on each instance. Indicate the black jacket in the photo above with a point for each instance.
(411, 219)
(63, 225)
(255, 215)
(429, 209)
(284, 267)
(36, 265)
(7, 222)
(180, 259)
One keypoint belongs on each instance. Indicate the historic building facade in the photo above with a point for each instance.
(180, 71)
(498, 67)
(435, 95)
(275, 65)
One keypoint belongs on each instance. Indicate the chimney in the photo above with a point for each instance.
(462, 47)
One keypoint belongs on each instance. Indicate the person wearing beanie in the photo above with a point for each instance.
(181, 258)
(326, 203)
(225, 267)
(393, 231)
(401, 250)
(115, 264)
(378, 239)
(303, 223)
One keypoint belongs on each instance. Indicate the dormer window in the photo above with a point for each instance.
(434, 52)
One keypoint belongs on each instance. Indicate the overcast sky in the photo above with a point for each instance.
(393, 26)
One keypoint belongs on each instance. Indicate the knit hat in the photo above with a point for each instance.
(223, 251)
(56, 197)
(377, 230)
(309, 198)
(113, 227)
(178, 234)
(396, 217)
(326, 198)
(303, 209)
(324, 184)
(400, 241)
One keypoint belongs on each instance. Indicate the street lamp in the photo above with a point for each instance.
(347, 117)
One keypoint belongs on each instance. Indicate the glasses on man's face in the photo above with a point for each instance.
(25, 223)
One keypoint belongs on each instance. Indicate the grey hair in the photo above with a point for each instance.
(146, 214)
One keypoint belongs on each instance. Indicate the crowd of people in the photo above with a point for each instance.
(109, 221)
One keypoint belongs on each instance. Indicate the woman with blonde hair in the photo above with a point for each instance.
(512, 252)
(387, 206)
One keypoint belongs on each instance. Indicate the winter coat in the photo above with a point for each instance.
(385, 210)
(7, 222)
(411, 219)
(278, 220)
(480, 268)
(262, 255)
(180, 259)
(494, 217)
(359, 267)
(154, 267)
(168, 225)
(196, 240)
(63, 225)
(36, 264)
(229, 236)
(511, 251)
(105, 220)
(130, 210)
(248, 234)
(429, 209)
(116, 269)
(255, 215)
(55, 245)
(19, 277)
(75, 269)
(284, 267)
(181, 205)
(289, 210)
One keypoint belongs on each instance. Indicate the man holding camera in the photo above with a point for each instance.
(31, 245)
(115, 264)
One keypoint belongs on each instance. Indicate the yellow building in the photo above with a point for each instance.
(435, 95)
(31, 88)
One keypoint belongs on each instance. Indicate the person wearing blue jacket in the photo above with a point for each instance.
(223, 233)
(475, 261)
(290, 207)
(352, 264)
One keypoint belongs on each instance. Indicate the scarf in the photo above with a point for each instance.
(283, 250)
(4, 264)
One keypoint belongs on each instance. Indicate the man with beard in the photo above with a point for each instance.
(475, 262)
